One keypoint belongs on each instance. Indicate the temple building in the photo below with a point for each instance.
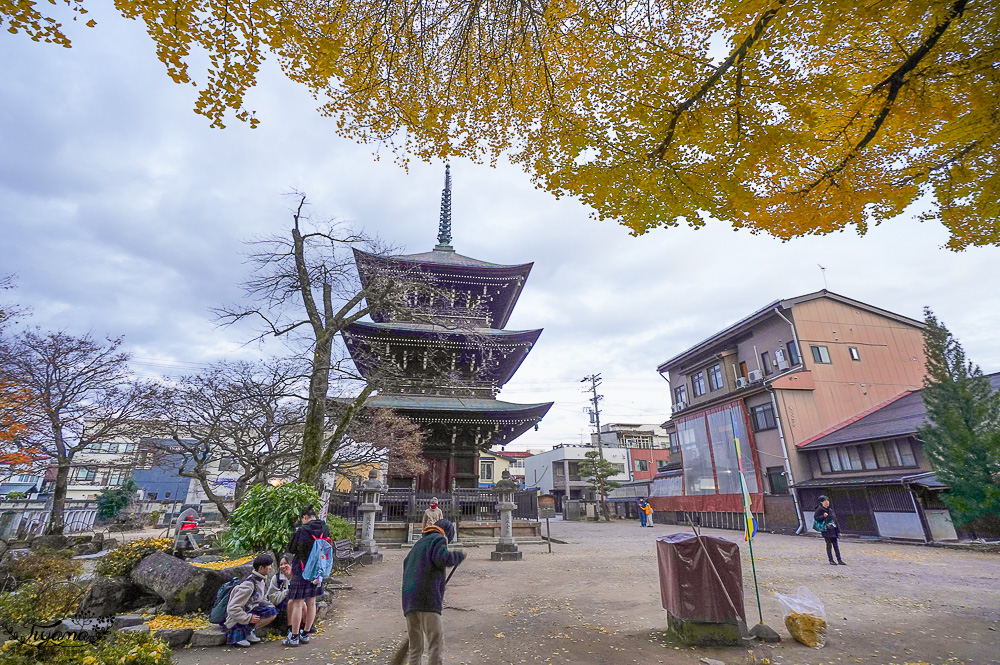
(442, 357)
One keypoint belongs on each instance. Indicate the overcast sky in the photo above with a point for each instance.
(122, 213)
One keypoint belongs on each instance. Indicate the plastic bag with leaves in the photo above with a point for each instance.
(805, 617)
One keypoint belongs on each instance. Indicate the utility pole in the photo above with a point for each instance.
(595, 381)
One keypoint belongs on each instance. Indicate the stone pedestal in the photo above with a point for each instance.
(506, 552)
(371, 491)
(506, 549)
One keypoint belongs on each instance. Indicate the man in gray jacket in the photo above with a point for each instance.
(248, 606)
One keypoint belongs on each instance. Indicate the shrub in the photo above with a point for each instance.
(113, 500)
(40, 603)
(339, 528)
(44, 567)
(122, 560)
(115, 649)
(152, 518)
(265, 518)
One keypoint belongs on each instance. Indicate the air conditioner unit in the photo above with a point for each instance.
(680, 406)
(756, 376)
(782, 364)
(741, 382)
(779, 359)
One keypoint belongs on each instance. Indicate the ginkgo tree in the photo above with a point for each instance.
(779, 116)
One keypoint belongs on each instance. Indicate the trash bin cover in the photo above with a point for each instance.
(689, 588)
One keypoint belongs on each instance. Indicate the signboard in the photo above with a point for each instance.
(546, 506)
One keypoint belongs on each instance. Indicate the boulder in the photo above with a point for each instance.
(54, 541)
(124, 620)
(175, 637)
(3, 548)
(184, 588)
(208, 637)
(141, 628)
(108, 596)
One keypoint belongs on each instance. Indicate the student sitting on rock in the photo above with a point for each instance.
(277, 590)
(248, 606)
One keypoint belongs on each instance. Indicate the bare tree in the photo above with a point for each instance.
(82, 393)
(378, 435)
(239, 417)
(306, 290)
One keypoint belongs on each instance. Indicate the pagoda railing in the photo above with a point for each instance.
(408, 506)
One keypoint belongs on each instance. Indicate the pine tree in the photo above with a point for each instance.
(599, 471)
(962, 433)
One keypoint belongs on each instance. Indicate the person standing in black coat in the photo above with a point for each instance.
(826, 516)
(302, 593)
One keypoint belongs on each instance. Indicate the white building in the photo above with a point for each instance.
(557, 471)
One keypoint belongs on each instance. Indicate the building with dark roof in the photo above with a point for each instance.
(450, 354)
(873, 469)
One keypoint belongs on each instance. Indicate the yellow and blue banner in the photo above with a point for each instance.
(751, 521)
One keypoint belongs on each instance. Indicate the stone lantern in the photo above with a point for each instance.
(506, 549)
(371, 491)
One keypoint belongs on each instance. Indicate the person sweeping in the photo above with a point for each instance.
(423, 593)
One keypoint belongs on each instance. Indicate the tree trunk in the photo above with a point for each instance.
(58, 515)
(315, 421)
(219, 501)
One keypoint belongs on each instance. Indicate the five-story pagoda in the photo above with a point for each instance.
(449, 354)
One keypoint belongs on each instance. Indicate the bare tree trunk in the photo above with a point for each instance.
(57, 518)
(310, 468)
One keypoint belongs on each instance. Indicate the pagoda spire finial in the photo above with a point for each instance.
(444, 225)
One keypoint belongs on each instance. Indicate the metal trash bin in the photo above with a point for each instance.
(704, 604)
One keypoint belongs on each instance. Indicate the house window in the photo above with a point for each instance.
(680, 395)
(117, 477)
(698, 384)
(793, 353)
(620, 468)
(675, 444)
(227, 464)
(765, 361)
(84, 474)
(743, 369)
(821, 354)
(715, 380)
(151, 496)
(641, 465)
(486, 470)
(777, 480)
(762, 418)
(853, 350)
(906, 453)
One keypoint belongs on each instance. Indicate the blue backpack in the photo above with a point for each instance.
(320, 561)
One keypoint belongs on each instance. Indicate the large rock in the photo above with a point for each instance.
(108, 596)
(55, 542)
(184, 588)
(175, 637)
(208, 637)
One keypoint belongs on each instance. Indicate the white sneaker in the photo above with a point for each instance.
(242, 643)
(252, 638)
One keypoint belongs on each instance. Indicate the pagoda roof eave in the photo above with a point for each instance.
(425, 329)
(457, 404)
(442, 259)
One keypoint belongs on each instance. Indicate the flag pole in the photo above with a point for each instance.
(746, 511)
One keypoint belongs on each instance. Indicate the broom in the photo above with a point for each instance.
(404, 648)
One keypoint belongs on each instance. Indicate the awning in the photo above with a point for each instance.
(927, 480)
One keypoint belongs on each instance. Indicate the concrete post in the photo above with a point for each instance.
(506, 549)
(371, 491)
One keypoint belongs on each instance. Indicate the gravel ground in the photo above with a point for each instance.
(596, 599)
